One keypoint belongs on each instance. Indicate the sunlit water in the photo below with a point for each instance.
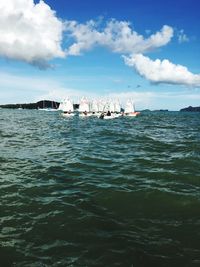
(89, 192)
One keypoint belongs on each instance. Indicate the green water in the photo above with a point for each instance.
(87, 192)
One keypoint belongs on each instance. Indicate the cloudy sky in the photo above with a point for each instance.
(140, 49)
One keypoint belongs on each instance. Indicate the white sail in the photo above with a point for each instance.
(60, 106)
(84, 105)
(106, 106)
(129, 107)
(94, 106)
(66, 105)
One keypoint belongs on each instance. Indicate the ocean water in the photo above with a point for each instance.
(87, 192)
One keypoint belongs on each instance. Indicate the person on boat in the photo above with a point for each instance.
(108, 113)
(101, 116)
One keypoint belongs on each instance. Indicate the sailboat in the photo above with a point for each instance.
(84, 109)
(67, 107)
(110, 110)
(130, 109)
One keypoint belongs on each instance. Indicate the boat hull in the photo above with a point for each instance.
(82, 115)
(132, 114)
(68, 115)
(113, 116)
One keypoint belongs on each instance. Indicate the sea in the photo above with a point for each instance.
(84, 192)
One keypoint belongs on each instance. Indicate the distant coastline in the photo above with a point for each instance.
(38, 105)
(54, 104)
(191, 109)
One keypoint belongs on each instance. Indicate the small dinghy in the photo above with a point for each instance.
(130, 109)
(67, 108)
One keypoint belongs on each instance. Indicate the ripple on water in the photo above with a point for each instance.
(89, 192)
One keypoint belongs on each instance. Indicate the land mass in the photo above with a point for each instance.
(191, 109)
(38, 105)
(54, 104)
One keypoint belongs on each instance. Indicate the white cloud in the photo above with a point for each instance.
(118, 36)
(182, 37)
(162, 71)
(32, 33)
(29, 32)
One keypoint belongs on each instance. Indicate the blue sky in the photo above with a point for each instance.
(140, 49)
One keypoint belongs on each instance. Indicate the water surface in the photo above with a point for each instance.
(89, 192)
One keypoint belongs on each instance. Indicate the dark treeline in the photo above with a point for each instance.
(191, 109)
(37, 105)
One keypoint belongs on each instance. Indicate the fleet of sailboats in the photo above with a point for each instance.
(102, 108)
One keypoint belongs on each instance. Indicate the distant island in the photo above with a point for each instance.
(38, 105)
(161, 110)
(191, 109)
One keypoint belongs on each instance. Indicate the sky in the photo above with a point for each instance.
(146, 50)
